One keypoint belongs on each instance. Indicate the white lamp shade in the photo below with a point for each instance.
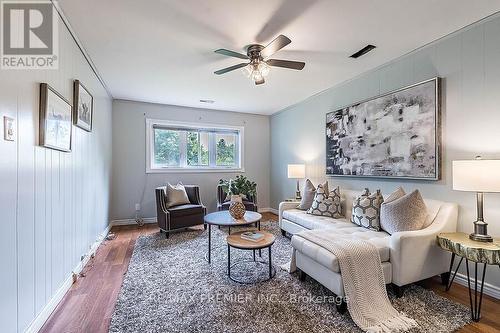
(296, 171)
(476, 175)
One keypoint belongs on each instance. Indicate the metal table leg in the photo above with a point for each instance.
(475, 306)
(270, 264)
(209, 242)
(229, 260)
(260, 251)
(456, 269)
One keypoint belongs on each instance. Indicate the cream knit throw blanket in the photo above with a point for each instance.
(364, 283)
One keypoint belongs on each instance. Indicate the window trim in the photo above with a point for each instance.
(191, 169)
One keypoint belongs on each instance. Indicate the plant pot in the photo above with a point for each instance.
(237, 208)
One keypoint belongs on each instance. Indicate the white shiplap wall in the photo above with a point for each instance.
(53, 205)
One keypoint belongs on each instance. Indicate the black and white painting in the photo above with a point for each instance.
(83, 106)
(55, 119)
(395, 135)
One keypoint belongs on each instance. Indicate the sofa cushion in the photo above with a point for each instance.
(185, 210)
(309, 221)
(380, 239)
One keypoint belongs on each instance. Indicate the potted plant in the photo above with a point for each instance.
(238, 189)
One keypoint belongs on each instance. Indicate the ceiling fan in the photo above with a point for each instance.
(258, 67)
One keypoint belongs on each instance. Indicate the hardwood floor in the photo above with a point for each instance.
(89, 304)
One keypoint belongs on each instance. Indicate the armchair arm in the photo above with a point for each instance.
(193, 192)
(162, 213)
(286, 205)
(415, 255)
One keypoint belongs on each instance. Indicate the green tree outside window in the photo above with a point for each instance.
(167, 149)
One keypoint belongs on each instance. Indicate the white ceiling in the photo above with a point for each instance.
(161, 51)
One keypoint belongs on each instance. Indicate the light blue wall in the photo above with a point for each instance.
(469, 63)
(132, 185)
(53, 205)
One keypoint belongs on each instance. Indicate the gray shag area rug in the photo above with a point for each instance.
(170, 287)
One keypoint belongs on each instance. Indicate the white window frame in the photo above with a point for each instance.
(151, 168)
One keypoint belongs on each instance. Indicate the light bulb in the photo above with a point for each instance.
(263, 68)
(256, 75)
(247, 70)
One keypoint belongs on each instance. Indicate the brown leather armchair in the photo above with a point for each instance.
(250, 203)
(182, 216)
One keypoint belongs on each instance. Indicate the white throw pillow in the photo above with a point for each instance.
(366, 210)
(307, 195)
(326, 204)
(176, 195)
(403, 212)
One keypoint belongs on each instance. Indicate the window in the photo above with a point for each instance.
(183, 147)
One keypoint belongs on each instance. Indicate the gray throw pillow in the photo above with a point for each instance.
(403, 212)
(176, 195)
(366, 210)
(307, 195)
(326, 204)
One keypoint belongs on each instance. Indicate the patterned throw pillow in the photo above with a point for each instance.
(403, 212)
(366, 210)
(326, 204)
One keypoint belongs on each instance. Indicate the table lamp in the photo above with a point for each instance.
(297, 171)
(478, 176)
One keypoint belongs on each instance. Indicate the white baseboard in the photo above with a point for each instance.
(47, 310)
(488, 289)
(147, 220)
(265, 210)
(274, 211)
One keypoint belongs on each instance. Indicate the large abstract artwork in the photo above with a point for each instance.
(395, 135)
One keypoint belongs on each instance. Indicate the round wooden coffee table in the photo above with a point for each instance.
(234, 240)
(223, 218)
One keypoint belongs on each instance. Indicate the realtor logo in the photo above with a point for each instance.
(29, 35)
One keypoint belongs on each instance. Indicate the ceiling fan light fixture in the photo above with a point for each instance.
(256, 71)
(263, 68)
(257, 75)
(260, 64)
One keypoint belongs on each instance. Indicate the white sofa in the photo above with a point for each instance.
(406, 257)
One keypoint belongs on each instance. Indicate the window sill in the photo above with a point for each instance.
(180, 170)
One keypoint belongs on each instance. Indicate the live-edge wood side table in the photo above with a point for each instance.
(459, 244)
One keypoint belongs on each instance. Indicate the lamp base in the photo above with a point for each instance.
(297, 192)
(480, 233)
(297, 195)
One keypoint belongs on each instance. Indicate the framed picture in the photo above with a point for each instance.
(395, 135)
(55, 119)
(83, 106)
(9, 133)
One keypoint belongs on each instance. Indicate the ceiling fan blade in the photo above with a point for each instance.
(277, 44)
(232, 68)
(261, 81)
(286, 64)
(230, 53)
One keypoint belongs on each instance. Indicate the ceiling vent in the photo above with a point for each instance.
(363, 51)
